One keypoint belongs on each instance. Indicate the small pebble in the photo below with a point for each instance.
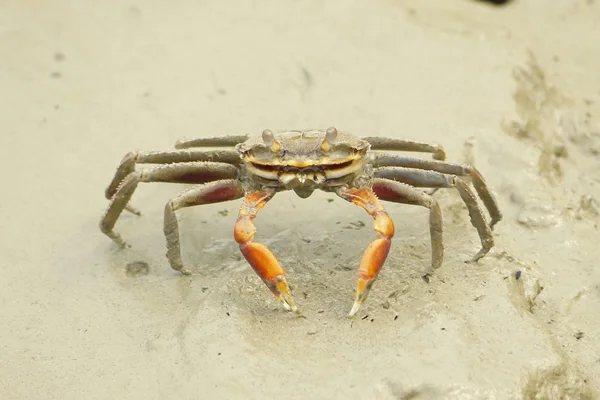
(357, 224)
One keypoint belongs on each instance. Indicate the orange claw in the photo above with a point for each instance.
(260, 258)
(377, 252)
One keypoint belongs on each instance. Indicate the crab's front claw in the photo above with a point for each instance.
(266, 266)
(378, 250)
(282, 292)
(260, 258)
(370, 266)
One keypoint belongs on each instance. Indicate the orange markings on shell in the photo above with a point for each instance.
(303, 163)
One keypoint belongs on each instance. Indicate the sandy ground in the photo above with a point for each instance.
(515, 90)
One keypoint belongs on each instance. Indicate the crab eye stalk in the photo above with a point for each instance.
(331, 134)
(330, 138)
(269, 139)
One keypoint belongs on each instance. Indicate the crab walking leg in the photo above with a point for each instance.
(381, 143)
(219, 141)
(214, 192)
(130, 160)
(377, 252)
(397, 192)
(260, 258)
(481, 187)
(200, 172)
(433, 179)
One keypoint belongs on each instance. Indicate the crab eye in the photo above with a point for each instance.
(269, 139)
(330, 137)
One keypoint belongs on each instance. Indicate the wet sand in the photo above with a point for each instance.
(514, 90)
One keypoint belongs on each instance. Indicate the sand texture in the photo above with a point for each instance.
(514, 90)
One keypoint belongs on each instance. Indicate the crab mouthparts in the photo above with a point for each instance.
(301, 182)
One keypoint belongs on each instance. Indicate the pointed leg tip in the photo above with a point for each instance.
(133, 210)
(116, 238)
(122, 244)
(494, 222)
(436, 266)
(475, 259)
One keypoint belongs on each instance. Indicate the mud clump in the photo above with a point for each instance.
(536, 214)
(539, 107)
(560, 383)
(136, 269)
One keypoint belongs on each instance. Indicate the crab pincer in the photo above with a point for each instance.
(260, 258)
(377, 252)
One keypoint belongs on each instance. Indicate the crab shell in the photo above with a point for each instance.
(304, 160)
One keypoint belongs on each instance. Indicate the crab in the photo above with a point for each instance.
(364, 171)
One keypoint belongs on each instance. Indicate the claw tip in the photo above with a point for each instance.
(354, 310)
